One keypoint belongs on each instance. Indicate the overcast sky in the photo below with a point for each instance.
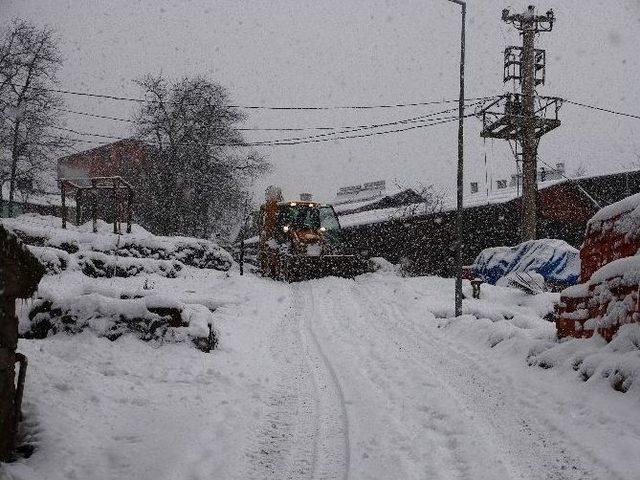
(337, 52)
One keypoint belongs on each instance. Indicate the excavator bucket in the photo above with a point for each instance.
(297, 268)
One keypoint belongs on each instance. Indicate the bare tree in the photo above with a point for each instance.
(198, 170)
(430, 200)
(580, 171)
(29, 61)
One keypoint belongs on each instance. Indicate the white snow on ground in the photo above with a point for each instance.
(337, 379)
(128, 409)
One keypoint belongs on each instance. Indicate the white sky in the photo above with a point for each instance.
(334, 52)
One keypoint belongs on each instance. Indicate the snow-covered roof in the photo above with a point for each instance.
(502, 195)
(363, 195)
(345, 207)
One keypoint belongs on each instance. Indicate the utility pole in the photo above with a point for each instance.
(529, 141)
(521, 121)
(460, 170)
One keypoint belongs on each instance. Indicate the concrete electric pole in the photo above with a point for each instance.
(521, 121)
(529, 141)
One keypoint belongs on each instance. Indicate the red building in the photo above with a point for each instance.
(122, 158)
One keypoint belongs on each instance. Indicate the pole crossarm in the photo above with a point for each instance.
(504, 117)
(528, 20)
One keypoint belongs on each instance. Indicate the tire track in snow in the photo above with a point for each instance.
(304, 430)
(285, 445)
(343, 418)
(435, 439)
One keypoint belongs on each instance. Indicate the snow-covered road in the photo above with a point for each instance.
(376, 388)
(328, 379)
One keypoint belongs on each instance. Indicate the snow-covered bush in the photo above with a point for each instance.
(149, 318)
(594, 360)
(46, 231)
(52, 259)
(88, 286)
(95, 264)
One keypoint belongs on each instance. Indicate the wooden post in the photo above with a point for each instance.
(115, 205)
(129, 209)
(8, 341)
(64, 205)
(78, 206)
(94, 206)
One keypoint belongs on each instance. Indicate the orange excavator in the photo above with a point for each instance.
(301, 240)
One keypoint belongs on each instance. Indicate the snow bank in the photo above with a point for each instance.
(556, 260)
(46, 231)
(73, 307)
(74, 296)
(101, 409)
(511, 323)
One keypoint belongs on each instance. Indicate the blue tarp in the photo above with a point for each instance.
(556, 260)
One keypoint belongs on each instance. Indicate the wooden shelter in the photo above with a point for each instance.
(87, 189)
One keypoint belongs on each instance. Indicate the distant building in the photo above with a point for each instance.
(427, 239)
(360, 193)
(123, 158)
(545, 174)
(34, 194)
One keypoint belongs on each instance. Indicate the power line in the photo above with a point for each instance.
(369, 127)
(244, 129)
(280, 143)
(371, 134)
(420, 118)
(88, 134)
(94, 115)
(252, 107)
(600, 109)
